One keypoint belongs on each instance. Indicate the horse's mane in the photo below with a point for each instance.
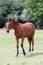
(14, 21)
(21, 21)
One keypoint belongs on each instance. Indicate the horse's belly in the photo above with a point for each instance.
(26, 34)
(19, 35)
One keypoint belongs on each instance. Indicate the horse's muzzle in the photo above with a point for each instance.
(7, 31)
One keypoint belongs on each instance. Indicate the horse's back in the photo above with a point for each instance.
(26, 29)
(27, 25)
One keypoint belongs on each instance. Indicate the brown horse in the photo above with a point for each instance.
(21, 31)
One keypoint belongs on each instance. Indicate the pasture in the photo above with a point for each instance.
(8, 50)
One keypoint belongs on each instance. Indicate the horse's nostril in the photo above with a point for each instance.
(7, 31)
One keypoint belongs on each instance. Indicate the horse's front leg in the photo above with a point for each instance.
(22, 46)
(29, 40)
(17, 45)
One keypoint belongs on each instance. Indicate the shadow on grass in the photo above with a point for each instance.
(34, 54)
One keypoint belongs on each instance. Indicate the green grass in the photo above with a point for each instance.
(8, 50)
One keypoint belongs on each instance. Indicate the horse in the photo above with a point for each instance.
(26, 30)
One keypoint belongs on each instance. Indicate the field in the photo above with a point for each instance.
(8, 50)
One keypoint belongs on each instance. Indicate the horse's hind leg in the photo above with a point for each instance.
(29, 40)
(17, 45)
(33, 43)
(22, 46)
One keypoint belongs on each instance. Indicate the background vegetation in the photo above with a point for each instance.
(25, 10)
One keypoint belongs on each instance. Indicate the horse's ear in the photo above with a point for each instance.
(9, 19)
(13, 20)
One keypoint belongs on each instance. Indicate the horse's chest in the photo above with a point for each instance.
(18, 34)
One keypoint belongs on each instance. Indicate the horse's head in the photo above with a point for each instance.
(9, 25)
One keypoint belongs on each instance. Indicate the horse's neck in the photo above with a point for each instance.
(16, 25)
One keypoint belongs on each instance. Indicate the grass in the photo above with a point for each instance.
(8, 50)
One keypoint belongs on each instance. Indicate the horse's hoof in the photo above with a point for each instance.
(24, 53)
(32, 49)
(29, 50)
(32, 52)
(17, 54)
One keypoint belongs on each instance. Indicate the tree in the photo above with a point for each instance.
(10, 7)
(34, 9)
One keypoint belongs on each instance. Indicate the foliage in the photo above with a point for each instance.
(33, 8)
